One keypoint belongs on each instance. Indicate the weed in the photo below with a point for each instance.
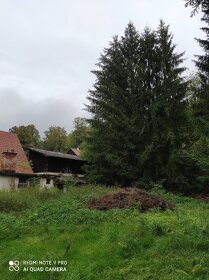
(117, 244)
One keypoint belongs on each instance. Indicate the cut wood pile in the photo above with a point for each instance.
(129, 198)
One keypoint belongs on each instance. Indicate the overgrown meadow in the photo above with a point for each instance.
(116, 244)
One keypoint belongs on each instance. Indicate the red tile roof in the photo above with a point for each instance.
(9, 142)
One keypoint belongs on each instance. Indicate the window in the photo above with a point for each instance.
(23, 183)
(48, 181)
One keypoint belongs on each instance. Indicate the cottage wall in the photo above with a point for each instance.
(8, 182)
(46, 183)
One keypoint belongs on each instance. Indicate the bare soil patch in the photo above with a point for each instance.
(129, 197)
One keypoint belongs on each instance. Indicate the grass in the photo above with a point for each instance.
(117, 244)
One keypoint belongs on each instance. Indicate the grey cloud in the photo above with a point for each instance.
(18, 110)
(48, 49)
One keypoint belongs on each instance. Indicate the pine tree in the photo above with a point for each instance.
(137, 108)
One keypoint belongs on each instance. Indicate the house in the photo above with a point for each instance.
(50, 161)
(15, 170)
(50, 166)
(74, 152)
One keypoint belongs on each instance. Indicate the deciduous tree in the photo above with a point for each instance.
(201, 105)
(55, 139)
(79, 133)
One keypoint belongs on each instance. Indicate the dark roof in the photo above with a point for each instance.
(55, 154)
(10, 142)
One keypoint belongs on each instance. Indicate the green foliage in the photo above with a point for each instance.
(69, 181)
(200, 107)
(150, 185)
(13, 231)
(193, 87)
(117, 244)
(198, 132)
(79, 134)
(55, 139)
(199, 150)
(138, 106)
(35, 182)
(28, 135)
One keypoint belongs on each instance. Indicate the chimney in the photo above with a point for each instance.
(9, 159)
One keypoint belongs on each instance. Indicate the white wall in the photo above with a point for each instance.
(43, 183)
(7, 182)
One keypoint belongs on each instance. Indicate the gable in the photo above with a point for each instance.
(10, 142)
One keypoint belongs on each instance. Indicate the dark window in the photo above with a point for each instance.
(48, 180)
(22, 182)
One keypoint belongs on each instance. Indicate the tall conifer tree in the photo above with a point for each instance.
(168, 107)
(137, 100)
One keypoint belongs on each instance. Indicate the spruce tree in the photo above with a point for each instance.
(166, 115)
(168, 108)
(112, 149)
(137, 108)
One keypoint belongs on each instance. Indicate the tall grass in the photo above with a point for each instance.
(26, 198)
(117, 244)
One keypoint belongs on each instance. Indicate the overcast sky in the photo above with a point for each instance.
(49, 47)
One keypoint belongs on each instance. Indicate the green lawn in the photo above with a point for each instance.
(117, 244)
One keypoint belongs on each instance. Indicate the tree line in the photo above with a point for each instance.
(55, 138)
